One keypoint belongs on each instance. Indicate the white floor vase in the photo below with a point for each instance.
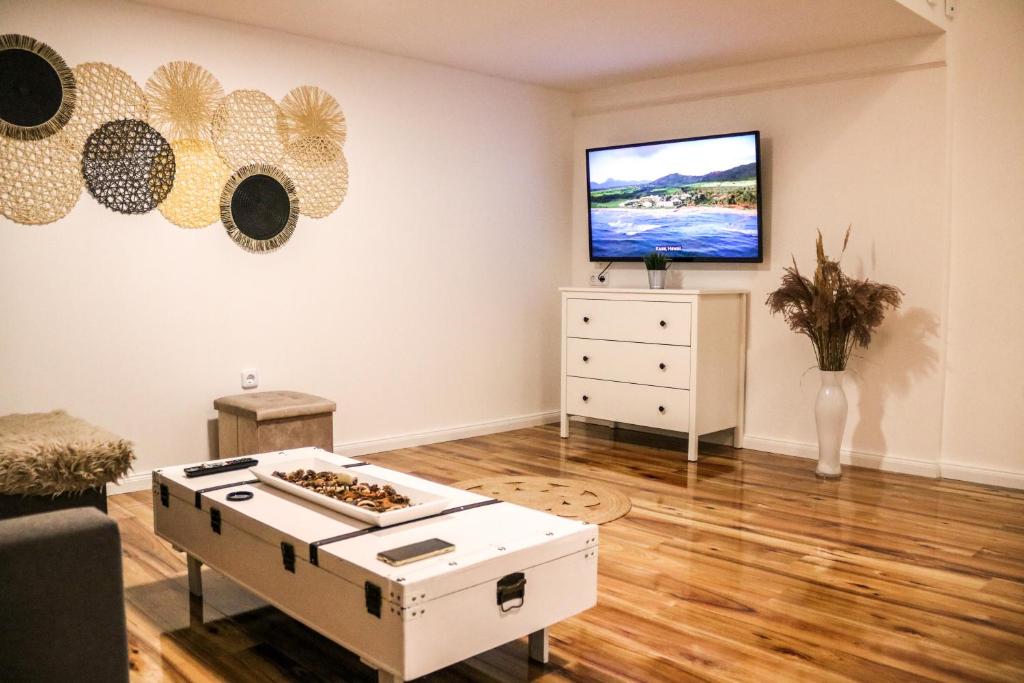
(830, 415)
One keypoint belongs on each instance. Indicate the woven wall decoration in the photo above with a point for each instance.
(37, 89)
(40, 180)
(245, 129)
(199, 177)
(128, 166)
(182, 99)
(312, 126)
(321, 189)
(259, 207)
(105, 93)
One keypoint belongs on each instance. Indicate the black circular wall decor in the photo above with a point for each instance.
(128, 166)
(37, 89)
(259, 207)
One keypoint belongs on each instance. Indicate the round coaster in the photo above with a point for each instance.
(571, 498)
(105, 93)
(182, 99)
(37, 89)
(312, 126)
(244, 129)
(259, 207)
(40, 181)
(321, 189)
(128, 166)
(199, 177)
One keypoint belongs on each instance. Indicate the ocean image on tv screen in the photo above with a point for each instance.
(686, 199)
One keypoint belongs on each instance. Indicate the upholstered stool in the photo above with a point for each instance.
(273, 421)
(51, 461)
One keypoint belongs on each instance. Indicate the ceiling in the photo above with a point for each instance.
(579, 44)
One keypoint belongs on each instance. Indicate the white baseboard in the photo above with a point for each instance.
(983, 475)
(140, 481)
(136, 481)
(354, 449)
(887, 463)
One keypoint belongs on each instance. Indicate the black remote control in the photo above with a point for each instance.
(224, 466)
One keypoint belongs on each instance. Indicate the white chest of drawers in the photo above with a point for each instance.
(673, 359)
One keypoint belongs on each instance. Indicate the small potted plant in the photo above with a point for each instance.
(656, 264)
(836, 312)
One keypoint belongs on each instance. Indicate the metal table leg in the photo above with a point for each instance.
(195, 576)
(539, 646)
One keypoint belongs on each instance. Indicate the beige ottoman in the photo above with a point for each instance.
(266, 421)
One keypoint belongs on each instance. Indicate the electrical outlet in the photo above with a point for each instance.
(250, 378)
(596, 282)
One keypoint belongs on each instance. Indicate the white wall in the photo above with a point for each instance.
(983, 426)
(854, 136)
(428, 300)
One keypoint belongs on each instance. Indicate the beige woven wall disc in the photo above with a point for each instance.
(321, 189)
(105, 93)
(199, 177)
(182, 99)
(40, 181)
(312, 126)
(244, 129)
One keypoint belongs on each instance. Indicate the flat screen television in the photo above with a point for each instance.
(693, 199)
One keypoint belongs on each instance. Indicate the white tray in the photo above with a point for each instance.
(423, 504)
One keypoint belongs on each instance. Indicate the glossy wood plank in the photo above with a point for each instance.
(741, 567)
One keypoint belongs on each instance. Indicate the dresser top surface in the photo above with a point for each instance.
(650, 292)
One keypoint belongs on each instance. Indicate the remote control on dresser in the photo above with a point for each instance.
(223, 466)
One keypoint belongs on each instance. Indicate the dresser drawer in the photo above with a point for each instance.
(630, 403)
(656, 364)
(655, 322)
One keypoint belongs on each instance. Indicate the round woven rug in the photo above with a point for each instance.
(570, 498)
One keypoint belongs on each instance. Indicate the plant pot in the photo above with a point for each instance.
(830, 415)
(656, 279)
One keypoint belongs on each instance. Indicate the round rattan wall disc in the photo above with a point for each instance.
(182, 99)
(259, 207)
(40, 180)
(128, 166)
(312, 126)
(571, 498)
(199, 177)
(244, 129)
(37, 89)
(105, 93)
(321, 189)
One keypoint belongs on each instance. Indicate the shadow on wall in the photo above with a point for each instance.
(213, 439)
(901, 353)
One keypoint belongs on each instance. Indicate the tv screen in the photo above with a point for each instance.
(695, 199)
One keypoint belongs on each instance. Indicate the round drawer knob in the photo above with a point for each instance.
(585, 398)
(661, 409)
(586, 358)
(663, 323)
(586, 319)
(661, 365)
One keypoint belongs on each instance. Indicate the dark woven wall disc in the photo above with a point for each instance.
(37, 89)
(128, 166)
(259, 207)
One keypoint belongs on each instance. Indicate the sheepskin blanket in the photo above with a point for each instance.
(44, 454)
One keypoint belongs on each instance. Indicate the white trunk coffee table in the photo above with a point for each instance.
(514, 571)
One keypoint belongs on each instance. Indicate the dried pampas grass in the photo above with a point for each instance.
(835, 311)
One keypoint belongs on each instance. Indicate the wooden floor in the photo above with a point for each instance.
(742, 567)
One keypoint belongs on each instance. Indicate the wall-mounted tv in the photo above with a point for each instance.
(693, 199)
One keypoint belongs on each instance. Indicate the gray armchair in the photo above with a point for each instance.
(62, 598)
